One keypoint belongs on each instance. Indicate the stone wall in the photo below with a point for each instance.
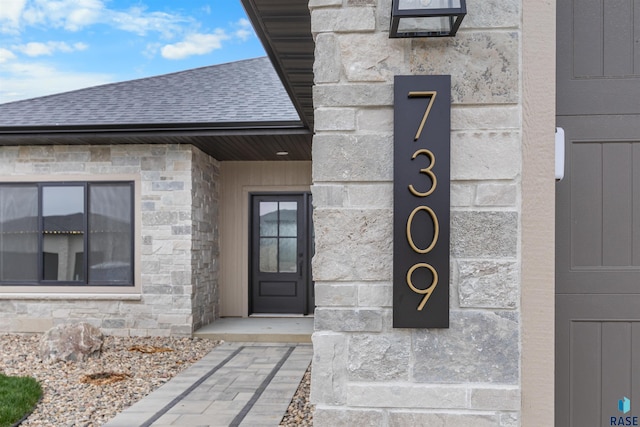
(177, 289)
(364, 371)
(205, 252)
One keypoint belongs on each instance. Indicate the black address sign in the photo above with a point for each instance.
(422, 127)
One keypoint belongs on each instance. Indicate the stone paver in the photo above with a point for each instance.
(236, 384)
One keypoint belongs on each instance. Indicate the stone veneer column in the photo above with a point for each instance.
(364, 371)
(205, 218)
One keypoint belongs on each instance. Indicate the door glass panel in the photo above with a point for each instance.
(268, 219)
(110, 228)
(63, 232)
(278, 236)
(269, 254)
(18, 233)
(288, 219)
(287, 255)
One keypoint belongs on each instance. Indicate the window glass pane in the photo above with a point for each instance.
(269, 255)
(110, 233)
(288, 219)
(63, 232)
(269, 219)
(287, 256)
(430, 24)
(18, 233)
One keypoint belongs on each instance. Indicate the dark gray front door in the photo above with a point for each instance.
(280, 254)
(598, 212)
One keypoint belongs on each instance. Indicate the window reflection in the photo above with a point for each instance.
(18, 233)
(278, 236)
(287, 255)
(288, 219)
(45, 228)
(268, 219)
(63, 232)
(110, 233)
(269, 255)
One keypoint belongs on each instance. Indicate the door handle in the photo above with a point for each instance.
(559, 154)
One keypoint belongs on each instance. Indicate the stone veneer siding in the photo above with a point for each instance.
(364, 371)
(205, 217)
(179, 246)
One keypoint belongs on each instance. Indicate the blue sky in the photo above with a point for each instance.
(53, 46)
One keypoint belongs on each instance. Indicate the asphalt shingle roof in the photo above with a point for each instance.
(237, 92)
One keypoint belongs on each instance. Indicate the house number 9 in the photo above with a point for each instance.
(427, 291)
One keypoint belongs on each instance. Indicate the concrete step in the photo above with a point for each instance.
(259, 329)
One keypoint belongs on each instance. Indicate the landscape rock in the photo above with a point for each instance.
(68, 401)
(71, 342)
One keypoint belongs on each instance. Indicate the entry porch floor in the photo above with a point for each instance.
(259, 329)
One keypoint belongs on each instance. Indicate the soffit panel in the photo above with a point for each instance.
(284, 26)
(221, 147)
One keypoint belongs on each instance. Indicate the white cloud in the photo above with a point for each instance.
(244, 31)
(202, 44)
(195, 44)
(10, 13)
(5, 55)
(23, 80)
(72, 15)
(243, 34)
(151, 49)
(136, 20)
(243, 22)
(49, 48)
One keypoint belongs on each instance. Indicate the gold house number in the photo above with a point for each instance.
(426, 292)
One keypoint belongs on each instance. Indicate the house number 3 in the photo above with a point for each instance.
(426, 292)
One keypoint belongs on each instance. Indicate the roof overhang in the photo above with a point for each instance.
(228, 141)
(284, 27)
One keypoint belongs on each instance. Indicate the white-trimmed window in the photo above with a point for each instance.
(67, 233)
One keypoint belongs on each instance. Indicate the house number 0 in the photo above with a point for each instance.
(426, 292)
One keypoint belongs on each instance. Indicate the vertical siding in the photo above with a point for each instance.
(604, 206)
(605, 33)
(238, 179)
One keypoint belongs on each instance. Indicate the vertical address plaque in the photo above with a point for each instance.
(422, 127)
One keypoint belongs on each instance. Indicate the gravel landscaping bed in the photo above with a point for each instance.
(300, 411)
(90, 393)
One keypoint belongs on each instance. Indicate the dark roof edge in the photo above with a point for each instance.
(166, 129)
(261, 32)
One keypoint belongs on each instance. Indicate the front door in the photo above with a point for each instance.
(281, 239)
(598, 213)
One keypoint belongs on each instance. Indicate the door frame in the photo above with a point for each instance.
(537, 220)
(307, 215)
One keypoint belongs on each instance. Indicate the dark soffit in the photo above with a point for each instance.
(284, 27)
(233, 142)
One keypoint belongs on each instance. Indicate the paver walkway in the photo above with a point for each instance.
(236, 384)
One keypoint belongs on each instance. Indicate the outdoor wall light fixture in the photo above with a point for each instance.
(426, 18)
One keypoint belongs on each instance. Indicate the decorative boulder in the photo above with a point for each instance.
(71, 342)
